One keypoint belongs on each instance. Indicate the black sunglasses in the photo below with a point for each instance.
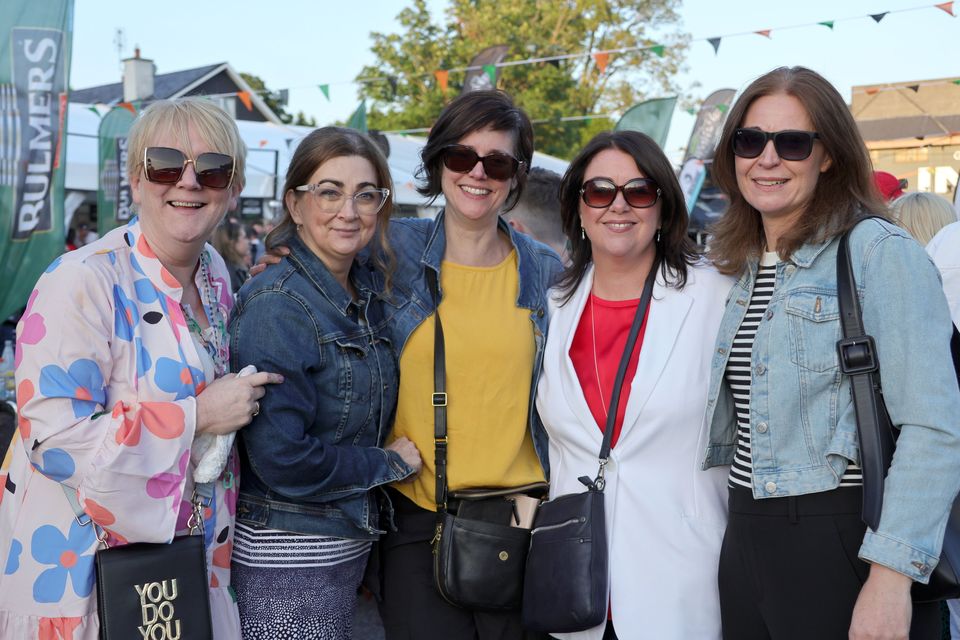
(790, 145)
(639, 193)
(463, 159)
(166, 166)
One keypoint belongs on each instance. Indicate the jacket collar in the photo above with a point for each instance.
(528, 295)
(317, 273)
(808, 253)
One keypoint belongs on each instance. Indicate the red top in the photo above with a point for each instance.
(601, 350)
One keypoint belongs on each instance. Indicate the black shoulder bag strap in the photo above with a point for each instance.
(858, 359)
(439, 400)
(599, 483)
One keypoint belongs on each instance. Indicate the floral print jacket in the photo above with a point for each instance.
(107, 375)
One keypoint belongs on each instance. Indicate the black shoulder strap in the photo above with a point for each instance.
(439, 398)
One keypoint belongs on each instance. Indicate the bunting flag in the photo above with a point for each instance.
(871, 92)
(877, 17)
(722, 108)
(491, 71)
(602, 59)
(263, 143)
(358, 120)
(763, 32)
(442, 76)
(827, 23)
(715, 43)
(946, 6)
(325, 90)
(95, 110)
(658, 49)
(914, 87)
(244, 97)
(128, 106)
(35, 41)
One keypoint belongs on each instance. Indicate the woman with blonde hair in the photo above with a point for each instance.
(922, 214)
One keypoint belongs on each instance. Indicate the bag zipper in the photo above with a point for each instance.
(558, 525)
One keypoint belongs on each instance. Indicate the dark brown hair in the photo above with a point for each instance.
(317, 148)
(843, 192)
(225, 238)
(675, 250)
(471, 112)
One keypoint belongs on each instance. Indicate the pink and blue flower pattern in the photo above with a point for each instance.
(108, 373)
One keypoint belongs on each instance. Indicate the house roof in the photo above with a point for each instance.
(165, 85)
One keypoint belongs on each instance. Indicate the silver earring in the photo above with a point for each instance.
(658, 236)
(583, 234)
(299, 228)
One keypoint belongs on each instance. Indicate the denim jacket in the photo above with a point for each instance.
(311, 456)
(802, 420)
(420, 243)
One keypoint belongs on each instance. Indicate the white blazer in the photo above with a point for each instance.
(665, 517)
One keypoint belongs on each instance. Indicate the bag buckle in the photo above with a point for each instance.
(439, 399)
(857, 355)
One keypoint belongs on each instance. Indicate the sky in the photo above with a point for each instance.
(300, 44)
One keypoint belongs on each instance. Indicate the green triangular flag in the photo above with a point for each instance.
(827, 23)
(722, 108)
(325, 89)
(95, 110)
(658, 49)
(358, 120)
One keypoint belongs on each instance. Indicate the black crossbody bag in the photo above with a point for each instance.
(565, 586)
(876, 433)
(153, 590)
(479, 552)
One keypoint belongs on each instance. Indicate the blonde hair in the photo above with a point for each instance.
(175, 117)
(922, 214)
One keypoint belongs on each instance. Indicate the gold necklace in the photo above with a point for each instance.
(596, 366)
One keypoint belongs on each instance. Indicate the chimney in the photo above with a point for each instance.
(137, 77)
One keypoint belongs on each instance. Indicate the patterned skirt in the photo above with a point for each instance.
(296, 587)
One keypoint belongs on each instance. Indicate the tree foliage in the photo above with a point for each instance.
(405, 95)
(276, 103)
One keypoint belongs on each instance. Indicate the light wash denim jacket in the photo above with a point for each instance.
(802, 419)
(419, 244)
(311, 456)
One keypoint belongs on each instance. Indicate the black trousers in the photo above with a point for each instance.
(411, 608)
(789, 568)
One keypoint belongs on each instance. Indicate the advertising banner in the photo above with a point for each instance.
(113, 196)
(35, 40)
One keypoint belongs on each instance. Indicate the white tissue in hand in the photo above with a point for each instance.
(210, 451)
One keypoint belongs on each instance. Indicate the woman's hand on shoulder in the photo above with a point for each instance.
(270, 257)
(883, 608)
(409, 453)
(230, 402)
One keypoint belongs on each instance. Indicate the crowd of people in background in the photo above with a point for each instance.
(293, 371)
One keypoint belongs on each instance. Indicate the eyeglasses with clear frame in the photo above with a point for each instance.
(366, 202)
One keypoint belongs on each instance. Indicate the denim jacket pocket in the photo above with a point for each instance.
(354, 386)
(814, 318)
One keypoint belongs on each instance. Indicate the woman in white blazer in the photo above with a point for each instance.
(624, 213)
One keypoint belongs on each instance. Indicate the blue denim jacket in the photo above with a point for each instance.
(311, 456)
(419, 244)
(802, 420)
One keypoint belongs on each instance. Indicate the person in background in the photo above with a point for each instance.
(537, 214)
(230, 241)
(255, 236)
(624, 215)
(123, 385)
(889, 186)
(797, 560)
(307, 514)
(922, 214)
(71, 242)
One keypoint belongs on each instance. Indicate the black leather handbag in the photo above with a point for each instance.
(151, 590)
(565, 585)
(479, 551)
(876, 433)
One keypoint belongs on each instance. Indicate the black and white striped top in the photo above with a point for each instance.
(739, 375)
(260, 547)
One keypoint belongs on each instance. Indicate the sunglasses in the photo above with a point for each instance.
(166, 166)
(790, 145)
(462, 159)
(639, 193)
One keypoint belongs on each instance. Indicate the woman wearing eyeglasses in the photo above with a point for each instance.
(126, 403)
(625, 219)
(306, 515)
(797, 560)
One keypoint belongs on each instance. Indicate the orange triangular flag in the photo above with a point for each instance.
(245, 99)
(128, 106)
(263, 143)
(442, 76)
(764, 32)
(870, 92)
(945, 6)
(602, 58)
